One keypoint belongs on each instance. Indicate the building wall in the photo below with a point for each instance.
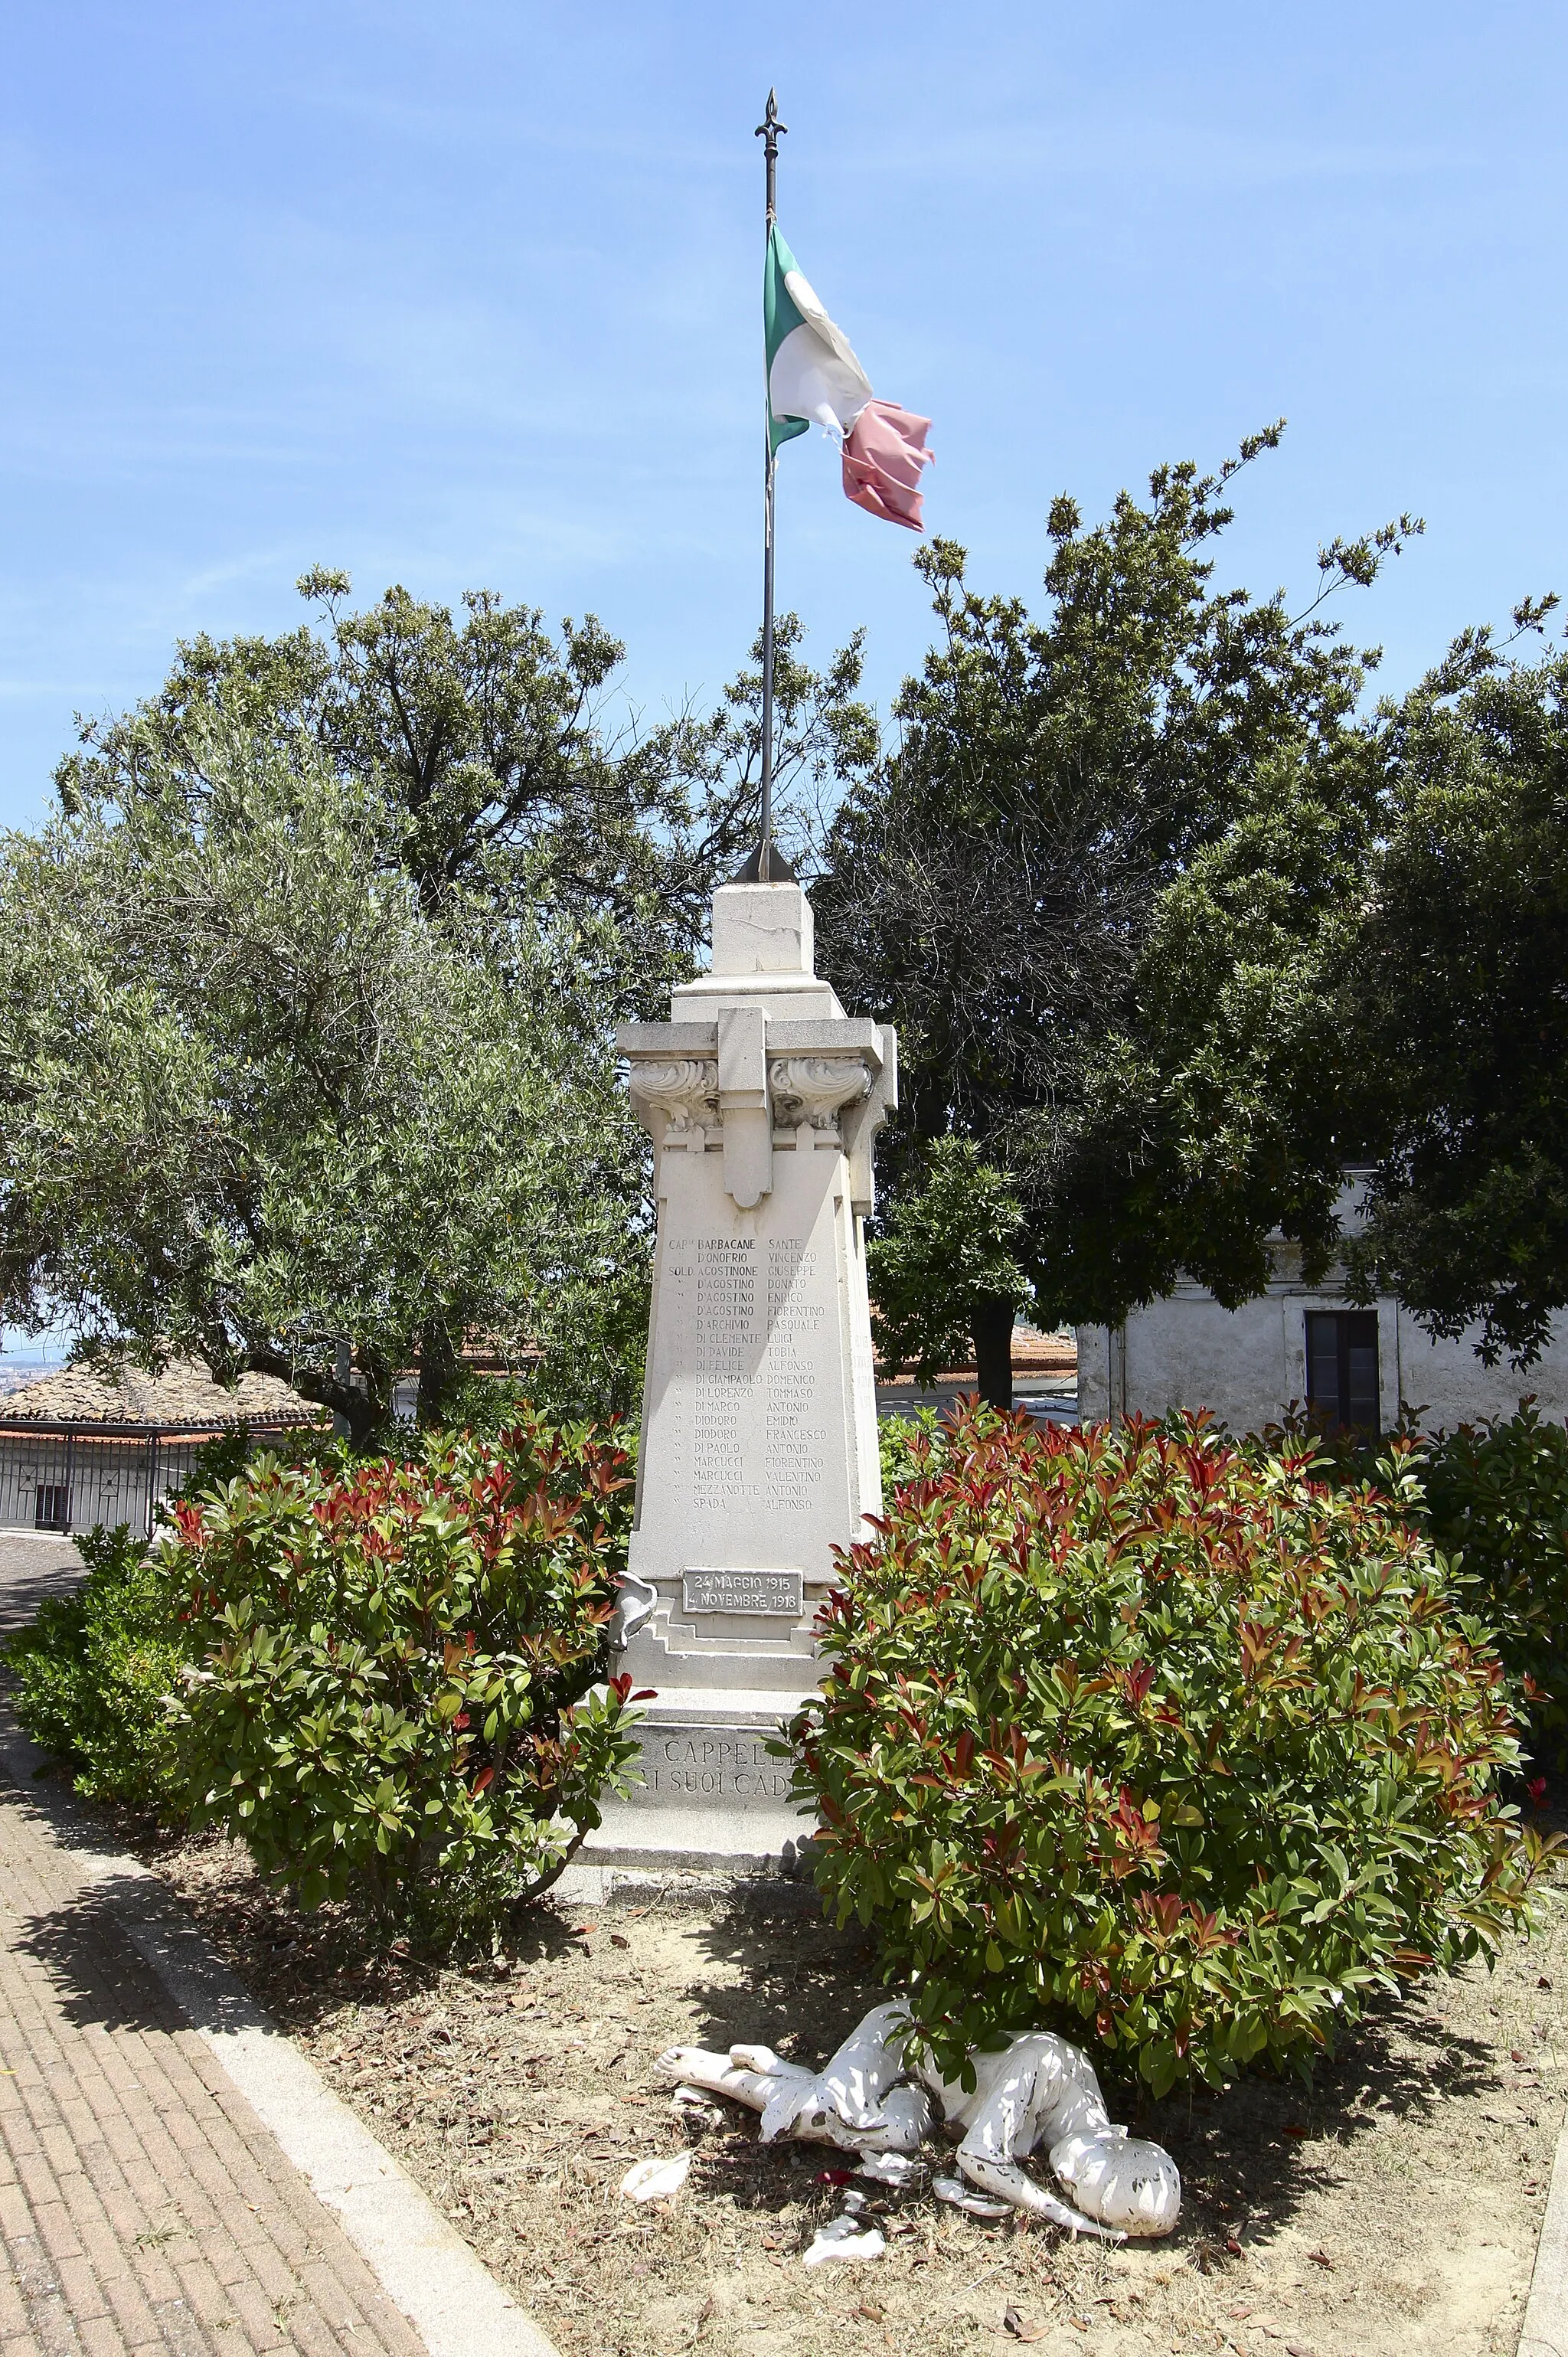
(1248, 1366)
(105, 1482)
(107, 1479)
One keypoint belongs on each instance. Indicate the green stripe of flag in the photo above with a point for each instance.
(780, 318)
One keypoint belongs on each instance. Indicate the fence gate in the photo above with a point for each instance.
(63, 1477)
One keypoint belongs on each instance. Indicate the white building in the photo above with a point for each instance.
(1297, 1344)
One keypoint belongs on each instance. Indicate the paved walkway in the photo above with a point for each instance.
(144, 2207)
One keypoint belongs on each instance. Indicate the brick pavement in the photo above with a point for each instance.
(144, 2207)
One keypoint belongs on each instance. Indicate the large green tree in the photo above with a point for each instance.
(510, 768)
(1364, 969)
(996, 884)
(1177, 929)
(315, 977)
(1455, 983)
(258, 1101)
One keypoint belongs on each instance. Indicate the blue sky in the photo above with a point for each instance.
(469, 294)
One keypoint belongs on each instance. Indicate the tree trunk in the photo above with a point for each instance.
(363, 1416)
(437, 1370)
(992, 1323)
(364, 1412)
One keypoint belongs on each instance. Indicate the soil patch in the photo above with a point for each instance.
(1393, 2207)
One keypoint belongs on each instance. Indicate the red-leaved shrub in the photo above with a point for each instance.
(1136, 1728)
(403, 1696)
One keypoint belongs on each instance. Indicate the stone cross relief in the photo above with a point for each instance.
(744, 1101)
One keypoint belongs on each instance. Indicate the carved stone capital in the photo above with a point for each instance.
(811, 1091)
(748, 1079)
(685, 1089)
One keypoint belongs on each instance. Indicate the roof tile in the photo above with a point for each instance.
(185, 1395)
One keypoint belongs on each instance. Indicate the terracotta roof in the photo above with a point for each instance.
(1036, 1356)
(185, 1397)
(1038, 1353)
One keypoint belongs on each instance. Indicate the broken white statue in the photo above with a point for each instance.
(1039, 2093)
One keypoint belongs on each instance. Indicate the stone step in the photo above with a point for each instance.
(725, 1705)
(713, 1763)
(706, 1839)
(713, 1796)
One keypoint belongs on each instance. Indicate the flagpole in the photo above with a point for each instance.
(767, 131)
(765, 850)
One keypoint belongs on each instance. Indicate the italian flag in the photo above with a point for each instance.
(814, 377)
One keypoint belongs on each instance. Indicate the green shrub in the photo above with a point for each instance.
(1497, 1492)
(403, 1697)
(97, 1671)
(1135, 1727)
(906, 1443)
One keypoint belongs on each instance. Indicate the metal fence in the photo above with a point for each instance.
(67, 1477)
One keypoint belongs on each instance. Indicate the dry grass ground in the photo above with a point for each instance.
(1392, 2208)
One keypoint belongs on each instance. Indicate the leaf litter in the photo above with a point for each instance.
(518, 2092)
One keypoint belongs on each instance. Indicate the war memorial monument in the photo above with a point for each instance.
(758, 1451)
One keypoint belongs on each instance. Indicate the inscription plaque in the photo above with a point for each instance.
(743, 1592)
(727, 1764)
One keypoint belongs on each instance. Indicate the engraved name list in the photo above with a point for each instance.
(763, 1367)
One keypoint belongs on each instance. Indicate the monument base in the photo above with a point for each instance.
(712, 1796)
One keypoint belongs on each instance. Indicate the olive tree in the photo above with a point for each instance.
(257, 1102)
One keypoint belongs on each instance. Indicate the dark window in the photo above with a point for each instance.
(52, 1508)
(1342, 1369)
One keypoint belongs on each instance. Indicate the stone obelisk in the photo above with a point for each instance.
(758, 1450)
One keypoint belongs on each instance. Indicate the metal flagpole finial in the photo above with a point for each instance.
(768, 129)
